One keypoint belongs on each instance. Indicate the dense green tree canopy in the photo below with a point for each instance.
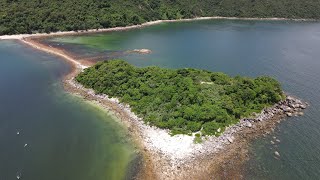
(183, 100)
(29, 16)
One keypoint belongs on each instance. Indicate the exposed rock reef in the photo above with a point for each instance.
(141, 51)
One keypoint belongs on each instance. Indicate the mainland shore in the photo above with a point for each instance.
(90, 31)
(178, 157)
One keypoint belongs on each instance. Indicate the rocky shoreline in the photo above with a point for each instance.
(173, 156)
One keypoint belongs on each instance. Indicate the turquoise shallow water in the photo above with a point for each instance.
(61, 137)
(286, 50)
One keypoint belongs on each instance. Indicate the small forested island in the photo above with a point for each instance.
(183, 100)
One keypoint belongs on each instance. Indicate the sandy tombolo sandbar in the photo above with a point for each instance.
(178, 157)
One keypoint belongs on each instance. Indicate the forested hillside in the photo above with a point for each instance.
(183, 100)
(30, 16)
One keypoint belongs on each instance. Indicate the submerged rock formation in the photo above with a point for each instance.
(142, 51)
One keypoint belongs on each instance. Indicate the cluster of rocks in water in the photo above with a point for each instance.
(141, 51)
(293, 107)
(289, 107)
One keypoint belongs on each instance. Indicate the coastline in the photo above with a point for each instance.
(150, 23)
(177, 157)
